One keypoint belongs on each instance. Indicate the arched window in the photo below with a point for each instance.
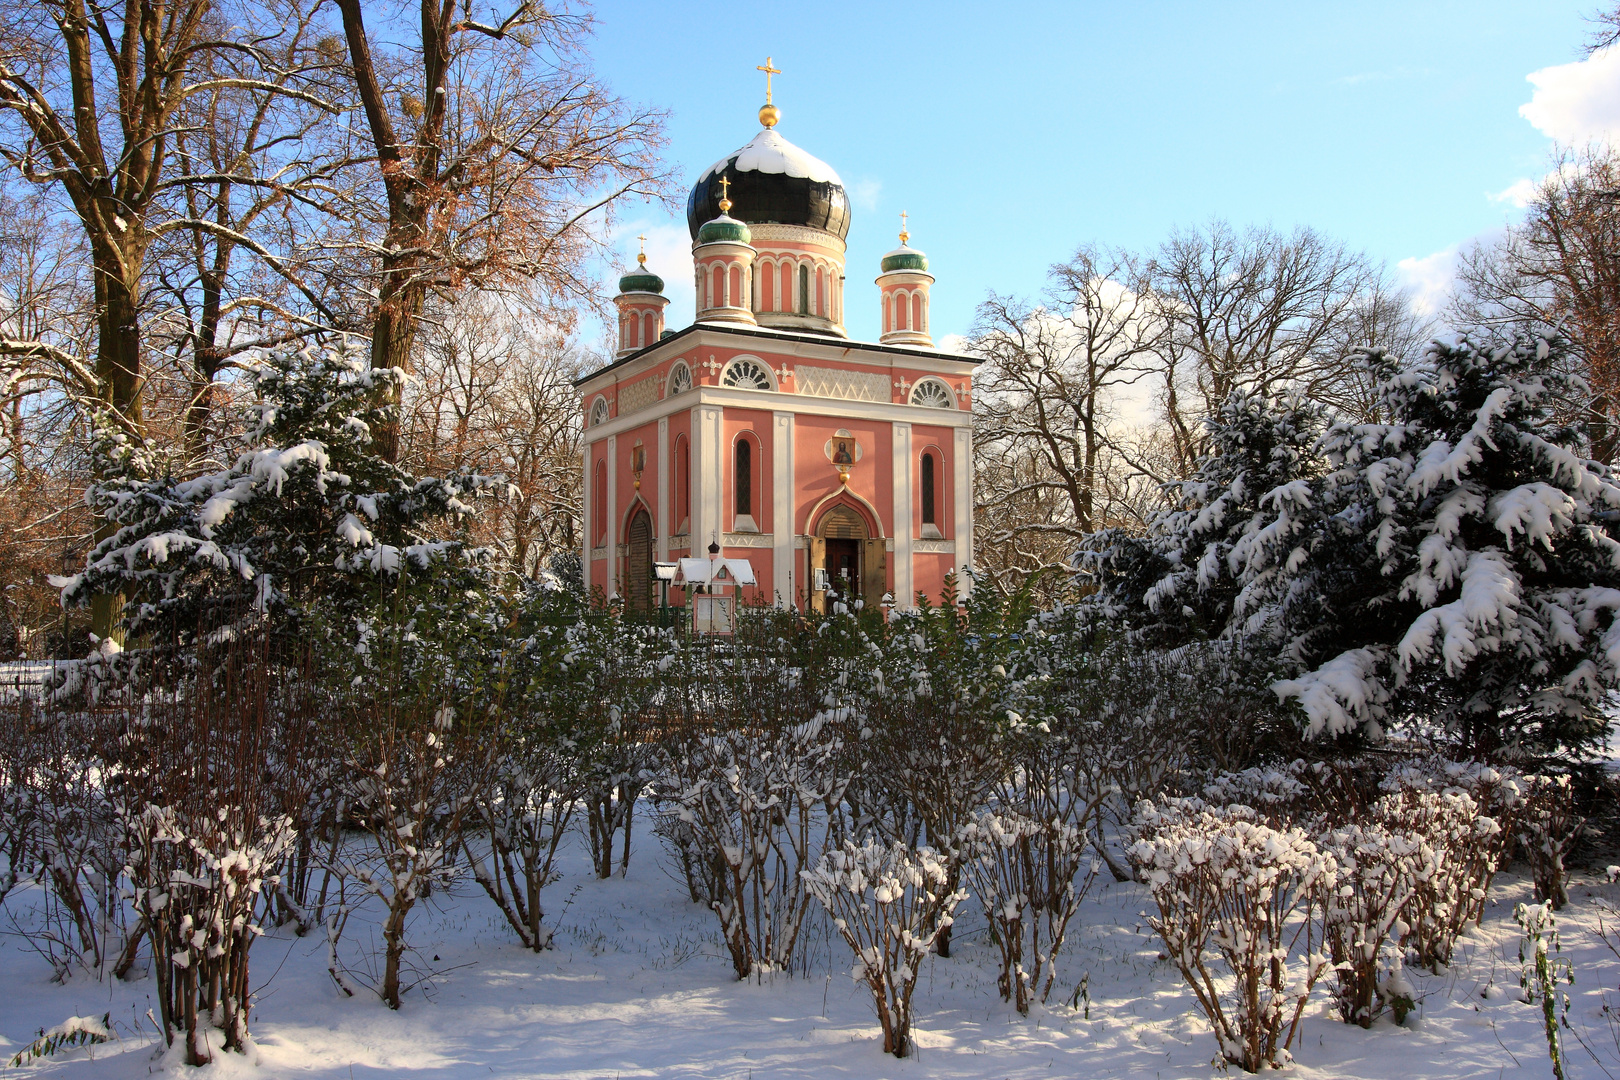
(804, 288)
(599, 509)
(900, 311)
(599, 412)
(747, 374)
(930, 510)
(680, 379)
(735, 297)
(932, 394)
(744, 479)
(784, 296)
(717, 287)
(649, 329)
(683, 483)
(821, 291)
(917, 319)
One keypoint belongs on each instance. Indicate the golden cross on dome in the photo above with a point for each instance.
(725, 194)
(642, 258)
(769, 71)
(904, 235)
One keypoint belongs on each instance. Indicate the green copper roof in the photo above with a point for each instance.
(724, 229)
(641, 281)
(904, 258)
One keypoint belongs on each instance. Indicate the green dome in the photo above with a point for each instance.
(905, 258)
(724, 229)
(641, 281)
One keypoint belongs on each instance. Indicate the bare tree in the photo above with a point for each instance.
(496, 148)
(1254, 310)
(1559, 270)
(1048, 403)
(494, 394)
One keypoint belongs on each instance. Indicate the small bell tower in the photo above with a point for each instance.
(903, 290)
(725, 266)
(641, 303)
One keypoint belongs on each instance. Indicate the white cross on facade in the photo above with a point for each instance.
(712, 364)
(903, 385)
(783, 373)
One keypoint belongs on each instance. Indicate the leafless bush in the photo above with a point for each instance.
(413, 770)
(1467, 846)
(889, 903)
(1378, 873)
(1225, 881)
(1544, 829)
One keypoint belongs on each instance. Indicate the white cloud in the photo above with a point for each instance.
(863, 194)
(1430, 278)
(1518, 194)
(1577, 102)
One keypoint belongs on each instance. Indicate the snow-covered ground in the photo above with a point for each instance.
(23, 675)
(639, 986)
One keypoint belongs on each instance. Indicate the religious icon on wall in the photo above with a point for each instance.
(843, 449)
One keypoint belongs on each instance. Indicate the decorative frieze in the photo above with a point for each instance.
(844, 385)
(935, 547)
(639, 395)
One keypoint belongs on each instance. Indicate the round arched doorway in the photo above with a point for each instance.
(846, 561)
(638, 576)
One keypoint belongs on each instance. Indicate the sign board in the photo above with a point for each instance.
(712, 614)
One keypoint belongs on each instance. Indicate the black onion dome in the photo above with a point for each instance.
(772, 181)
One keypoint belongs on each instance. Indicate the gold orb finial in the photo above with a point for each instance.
(769, 114)
(725, 194)
(904, 235)
(641, 259)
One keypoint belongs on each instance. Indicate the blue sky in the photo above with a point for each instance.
(1013, 132)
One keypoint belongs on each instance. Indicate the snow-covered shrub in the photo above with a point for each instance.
(1233, 889)
(760, 802)
(74, 839)
(1030, 876)
(750, 784)
(415, 767)
(205, 839)
(1544, 829)
(1467, 846)
(1378, 872)
(889, 903)
(74, 1031)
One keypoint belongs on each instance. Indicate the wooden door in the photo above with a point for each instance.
(874, 570)
(844, 568)
(638, 585)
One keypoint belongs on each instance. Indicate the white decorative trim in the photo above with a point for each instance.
(904, 579)
(795, 234)
(934, 547)
(611, 585)
(639, 395)
(661, 522)
(842, 384)
(941, 384)
(757, 363)
(815, 510)
(598, 553)
(748, 540)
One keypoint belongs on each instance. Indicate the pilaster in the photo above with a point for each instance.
(904, 581)
(782, 488)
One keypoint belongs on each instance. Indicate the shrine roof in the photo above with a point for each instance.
(783, 336)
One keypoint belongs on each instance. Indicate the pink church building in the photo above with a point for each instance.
(761, 428)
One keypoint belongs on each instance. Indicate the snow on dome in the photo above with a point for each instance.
(768, 152)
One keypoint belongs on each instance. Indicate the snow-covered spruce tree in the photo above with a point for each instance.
(1469, 576)
(1227, 882)
(890, 903)
(308, 513)
(1217, 561)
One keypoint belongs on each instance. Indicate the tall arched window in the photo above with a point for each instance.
(683, 483)
(649, 326)
(900, 312)
(744, 480)
(918, 320)
(599, 510)
(784, 296)
(821, 291)
(930, 511)
(804, 288)
(717, 287)
(735, 297)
